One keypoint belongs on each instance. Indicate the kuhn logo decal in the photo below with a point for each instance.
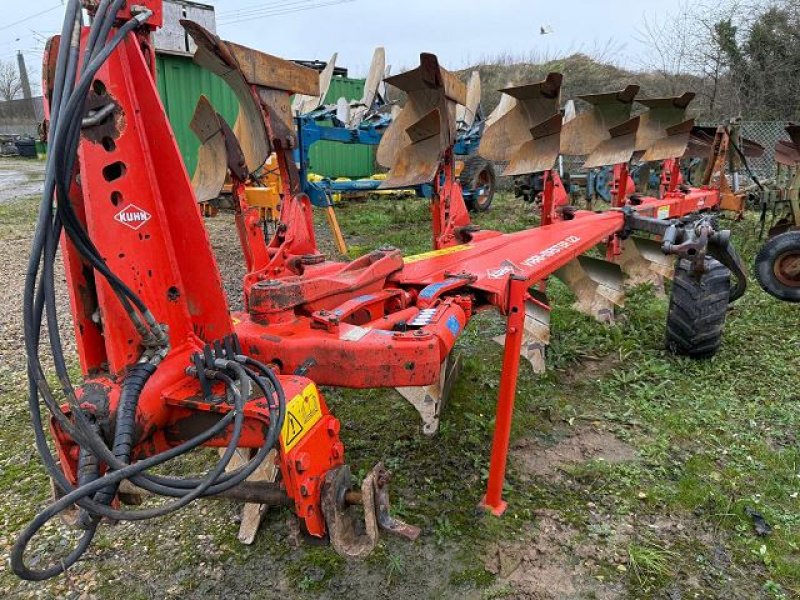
(506, 268)
(132, 216)
(500, 273)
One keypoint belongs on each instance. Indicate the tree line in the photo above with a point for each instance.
(745, 56)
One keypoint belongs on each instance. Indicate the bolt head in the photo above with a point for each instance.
(337, 451)
(302, 462)
(333, 427)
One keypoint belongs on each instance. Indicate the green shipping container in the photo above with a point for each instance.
(181, 83)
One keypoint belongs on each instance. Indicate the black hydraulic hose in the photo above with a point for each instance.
(88, 467)
(114, 477)
(746, 164)
(33, 302)
(128, 472)
(168, 486)
(55, 339)
(67, 104)
(66, 52)
(103, 510)
(33, 297)
(104, 18)
(66, 68)
(176, 487)
(132, 387)
(119, 514)
(99, 448)
(88, 471)
(94, 31)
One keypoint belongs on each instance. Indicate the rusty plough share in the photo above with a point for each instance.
(167, 368)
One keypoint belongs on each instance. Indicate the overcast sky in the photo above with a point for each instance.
(460, 32)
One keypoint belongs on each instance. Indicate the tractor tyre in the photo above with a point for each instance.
(697, 309)
(478, 173)
(778, 267)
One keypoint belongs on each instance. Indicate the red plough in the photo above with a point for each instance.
(168, 369)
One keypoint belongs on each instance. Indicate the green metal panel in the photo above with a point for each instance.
(333, 159)
(344, 87)
(180, 84)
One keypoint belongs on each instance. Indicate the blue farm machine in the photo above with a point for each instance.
(366, 120)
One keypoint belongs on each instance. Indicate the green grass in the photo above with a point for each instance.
(650, 563)
(715, 435)
(712, 438)
(17, 218)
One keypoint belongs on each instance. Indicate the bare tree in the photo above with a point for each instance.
(688, 45)
(670, 43)
(10, 83)
(715, 25)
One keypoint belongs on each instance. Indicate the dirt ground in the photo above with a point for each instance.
(581, 525)
(20, 178)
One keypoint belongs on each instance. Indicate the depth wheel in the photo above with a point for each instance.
(778, 267)
(478, 176)
(698, 305)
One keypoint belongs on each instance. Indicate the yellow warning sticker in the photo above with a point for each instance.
(302, 412)
(434, 253)
(663, 212)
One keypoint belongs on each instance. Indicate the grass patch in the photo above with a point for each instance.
(17, 218)
(713, 437)
(650, 563)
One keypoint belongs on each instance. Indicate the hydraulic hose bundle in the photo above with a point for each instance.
(95, 491)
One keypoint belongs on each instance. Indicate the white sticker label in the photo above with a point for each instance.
(507, 267)
(663, 212)
(557, 248)
(132, 216)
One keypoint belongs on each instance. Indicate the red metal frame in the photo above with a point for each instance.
(493, 500)
(671, 176)
(449, 214)
(135, 199)
(554, 198)
(332, 331)
(380, 321)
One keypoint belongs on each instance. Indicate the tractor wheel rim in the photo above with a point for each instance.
(483, 187)
(787, 268)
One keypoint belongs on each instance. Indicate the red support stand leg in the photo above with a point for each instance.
(621, 181)
(548, 199)
(493, 500)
